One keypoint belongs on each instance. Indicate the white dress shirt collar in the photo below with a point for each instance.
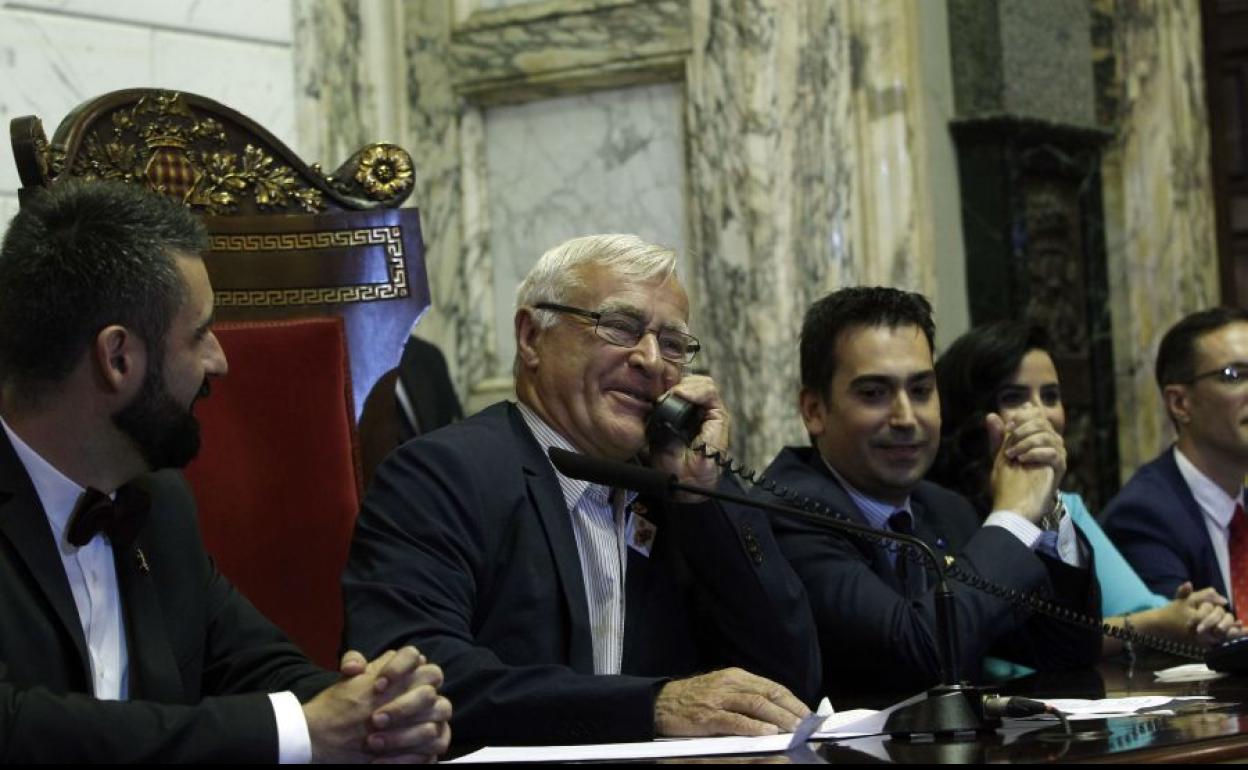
(57, 492)
(1212, 499)
(877, 512)
(573, 489)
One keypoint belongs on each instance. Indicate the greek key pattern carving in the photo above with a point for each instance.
(390, 237)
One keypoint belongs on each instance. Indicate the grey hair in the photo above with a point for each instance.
(556, 274)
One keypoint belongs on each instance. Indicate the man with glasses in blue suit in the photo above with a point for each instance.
(1181, 517)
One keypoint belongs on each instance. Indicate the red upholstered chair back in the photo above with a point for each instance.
(289, 385)
(279, 481)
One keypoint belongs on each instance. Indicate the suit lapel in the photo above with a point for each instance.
(930, 530)
(637, 583)
(153, 670)
(25, 524)
(552, 512)
(1196, 529)
(834, 495)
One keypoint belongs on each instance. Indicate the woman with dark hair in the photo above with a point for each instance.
(1004, 368)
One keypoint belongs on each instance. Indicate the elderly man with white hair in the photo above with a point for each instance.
(563, 611)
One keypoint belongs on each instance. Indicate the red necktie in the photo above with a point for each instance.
(1238, 551)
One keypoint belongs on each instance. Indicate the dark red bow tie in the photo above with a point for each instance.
(120, 519)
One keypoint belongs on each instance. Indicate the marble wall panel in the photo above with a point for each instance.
(894, 232)
(332, 79)
(612, 161)
(1158, 204)
(805, 152)
(49, 65)
(771, 189)
(52, 61)
(537, 50)
(256, 80)
(263, 20)
(8, 207)
(939, 209)
(487, 5)
(446, 136)
(344, 52)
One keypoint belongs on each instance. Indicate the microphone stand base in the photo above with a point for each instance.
(946, 711)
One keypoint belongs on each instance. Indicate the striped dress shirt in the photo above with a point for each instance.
(599, 524)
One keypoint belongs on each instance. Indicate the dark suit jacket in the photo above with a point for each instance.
(876, 637)
(201, 657)
(1156, 523)
(426, 384)
(465, 548)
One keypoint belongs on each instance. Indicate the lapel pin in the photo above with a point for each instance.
(141, 559)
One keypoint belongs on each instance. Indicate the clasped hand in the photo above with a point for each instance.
(1029, 461)
(384, 710)
(1204, 615)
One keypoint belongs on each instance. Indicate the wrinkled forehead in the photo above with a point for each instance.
(606, 289)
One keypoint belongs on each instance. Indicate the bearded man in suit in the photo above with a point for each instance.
(120, 641)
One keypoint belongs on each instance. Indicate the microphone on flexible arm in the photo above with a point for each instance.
(951, 707)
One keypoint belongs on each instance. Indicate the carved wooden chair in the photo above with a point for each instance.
(318, 280)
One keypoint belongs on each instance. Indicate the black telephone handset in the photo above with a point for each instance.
(674, 417)
(1229, 656)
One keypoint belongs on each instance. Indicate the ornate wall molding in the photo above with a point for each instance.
(539, 50)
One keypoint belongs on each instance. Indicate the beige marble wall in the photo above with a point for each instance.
(369, 69)
(348, 65)
(611, 161)
(57, 54)
(805, 166)
(1158, 204)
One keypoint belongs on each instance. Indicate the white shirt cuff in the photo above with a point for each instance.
(1026, 532)
(1069, 549)
(294, 744)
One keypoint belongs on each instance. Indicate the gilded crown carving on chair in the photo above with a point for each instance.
(164, 140)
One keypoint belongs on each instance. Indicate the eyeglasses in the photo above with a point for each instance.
(1232, 374)
(627, 330)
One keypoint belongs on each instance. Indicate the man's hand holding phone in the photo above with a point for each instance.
(689, 466)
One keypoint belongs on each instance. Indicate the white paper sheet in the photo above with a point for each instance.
(1078, 709)
(836, 725)
(1188, 672)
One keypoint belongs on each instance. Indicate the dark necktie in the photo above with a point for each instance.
(120, 519)
(909, 570)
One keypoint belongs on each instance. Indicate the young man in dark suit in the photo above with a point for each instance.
(120, 641)
(869, 402)
(564, 611)
(1180, 518)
